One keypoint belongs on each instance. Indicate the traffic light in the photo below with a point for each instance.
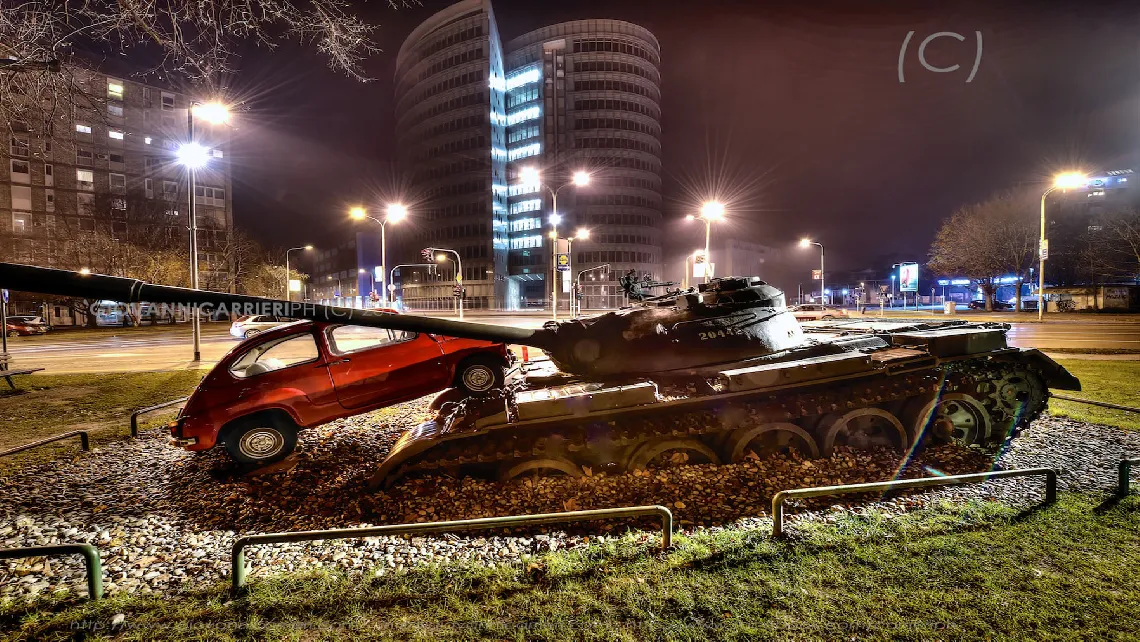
(459, 292)
(427, 253)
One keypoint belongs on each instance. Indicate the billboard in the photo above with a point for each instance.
(908, 277)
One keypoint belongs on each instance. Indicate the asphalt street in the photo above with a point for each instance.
(169, 348)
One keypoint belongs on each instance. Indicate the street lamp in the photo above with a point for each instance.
(808, 243)
(440, 258)
(371, 279)
(306, 248)
(581, 234)
(194, 156)
(580, 178)
(710, 211)
(395, 213)
(1068, 180)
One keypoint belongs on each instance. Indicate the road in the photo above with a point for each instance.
(169, 348)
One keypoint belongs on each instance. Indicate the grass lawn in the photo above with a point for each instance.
(48, 405)
(979, 571)
(1115, 382)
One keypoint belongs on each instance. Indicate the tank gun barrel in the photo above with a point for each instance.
(29, 278)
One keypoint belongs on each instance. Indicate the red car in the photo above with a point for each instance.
(19, 328)
(305, 374)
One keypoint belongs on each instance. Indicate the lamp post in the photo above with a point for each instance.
(458, 272)
(579, 179)
(578, 279)
(394, 214)
(306, 248)
(193, 156)
(371, 280)
(581, 234)
(710, 211)
(808, 243)
(1061, 181)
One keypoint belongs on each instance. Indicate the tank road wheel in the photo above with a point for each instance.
(767, 440)
(540, 467)
(1016, 398)
(953, 417)
(645, 452)
(861, 429)
(479, 375)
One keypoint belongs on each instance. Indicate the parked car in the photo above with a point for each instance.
(251, 325)
(28, 319)
(16, 328)
(296, 376)
(815, 311)
(980, 304)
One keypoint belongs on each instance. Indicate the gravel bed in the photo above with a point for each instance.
(164, 518)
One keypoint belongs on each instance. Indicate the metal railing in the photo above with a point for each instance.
(143, 411)
(1123, 473)
(237, 554)
(90, 557)
(1095, 403)
(84, 442)
(926, 482)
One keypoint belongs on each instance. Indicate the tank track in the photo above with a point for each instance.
(989, 399)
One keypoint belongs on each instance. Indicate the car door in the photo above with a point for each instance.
(375, 366)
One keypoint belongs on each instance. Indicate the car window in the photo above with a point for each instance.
(276, 355)
(344, 339)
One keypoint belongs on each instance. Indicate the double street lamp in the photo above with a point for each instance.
(581, 234)
(193, 156)
(1067, 180)
(394, 214)
(288, 292)
(808, 243)
(531, 176)
(710, 211)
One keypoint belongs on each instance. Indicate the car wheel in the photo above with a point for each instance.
(827, 317)
(479, 376)
(261, 439)
(251, 333)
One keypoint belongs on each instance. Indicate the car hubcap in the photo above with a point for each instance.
(261, 443)
(478, 378)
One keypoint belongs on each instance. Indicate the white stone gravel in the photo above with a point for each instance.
(164, 519)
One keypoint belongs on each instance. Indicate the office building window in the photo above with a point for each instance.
(85, 179)
(83, 129)
(118, 183)
(114, 89)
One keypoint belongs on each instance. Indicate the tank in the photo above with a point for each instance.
(714, 374)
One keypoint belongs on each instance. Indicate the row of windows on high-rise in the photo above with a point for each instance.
(458, 102)
(596, 104)
(522, 133)
(617, 123)
(615, 85)
(621, 219)
(633, 162)
(459, 124)
(474, 208)
(629, 181)
(449, 40)
(611, 45)
(451, 169)
(618, 143)
(456, 189)
(454, 232)
(522, 95)
(615, 66)
(623, 239)
(615, 256)
(630, 200)
(461, 145)
(471, 77)
(450, 62)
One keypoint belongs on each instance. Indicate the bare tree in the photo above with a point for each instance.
(1112, 246)
(985, 240)
(46, 44)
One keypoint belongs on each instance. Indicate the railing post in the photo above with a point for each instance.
(778, 513)
(666, 528)
(135, 424)
(1051, 486)
(1124, 474)
(237, 565)
(94, 570)
(90, 555)
(84, 440)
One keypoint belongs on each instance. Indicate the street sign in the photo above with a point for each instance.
(908, 277)
(563, 262)
(817, 275)
(5, 295)
(391, 287)
(1045, 250)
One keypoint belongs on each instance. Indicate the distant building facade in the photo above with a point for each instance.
(582, 95)
(108, 171)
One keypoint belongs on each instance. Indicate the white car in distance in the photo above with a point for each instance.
(816, 311)
(248, 326)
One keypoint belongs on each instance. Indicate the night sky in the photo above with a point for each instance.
(792, 113)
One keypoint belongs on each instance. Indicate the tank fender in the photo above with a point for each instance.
(1056, 376)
